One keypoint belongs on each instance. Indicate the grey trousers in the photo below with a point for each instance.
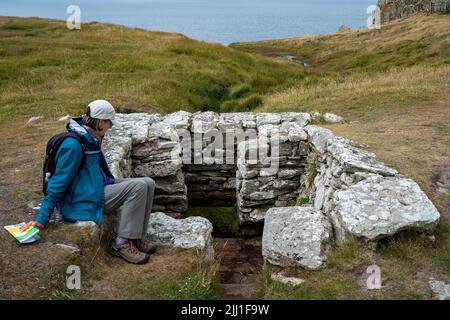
(136, 197)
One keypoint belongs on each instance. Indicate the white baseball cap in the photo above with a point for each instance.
(102, 109)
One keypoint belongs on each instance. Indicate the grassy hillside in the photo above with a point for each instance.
(364, 73)
(46, 69)
(417, 40)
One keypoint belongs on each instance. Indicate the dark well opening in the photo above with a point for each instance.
(211, 192)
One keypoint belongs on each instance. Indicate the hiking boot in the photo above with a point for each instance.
(130, 253)
(145, 246)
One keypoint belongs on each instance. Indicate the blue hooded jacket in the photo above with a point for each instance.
(78, 193)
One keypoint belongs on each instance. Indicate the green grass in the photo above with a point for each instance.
(224, 219)
(192, 285)
(49, 70)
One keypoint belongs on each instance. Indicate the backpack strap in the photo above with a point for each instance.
(51, 151)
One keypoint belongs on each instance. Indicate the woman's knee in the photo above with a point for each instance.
(139, 184)
(150, 182)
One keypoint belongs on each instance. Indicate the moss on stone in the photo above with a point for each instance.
(224, 219)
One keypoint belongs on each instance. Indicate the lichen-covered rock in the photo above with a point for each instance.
(204, 121)
(296, 236)
(117, 150)
(333, 118)
(267, 118)
(353, 159)
(441, 290)
(189, 233)
(289, 281)
(162, 130)
(158, 168)
(179, 120)
(237, 120)
(319, 136)
(301, 118)
(135, 125)
(379, 206)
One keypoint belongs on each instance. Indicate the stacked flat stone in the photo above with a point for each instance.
(159, 158)
(262, 184)
(211, 180)
(130, 131)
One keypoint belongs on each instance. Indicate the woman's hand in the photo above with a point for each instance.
(31, 223)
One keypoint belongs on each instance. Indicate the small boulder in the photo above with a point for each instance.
(332, 118)
(296, 236)
(35, 120)
(71, 249)
(65, 119)
(441, 290)
(289, 281)
(316, 116)
(378, 206)
(189, 233)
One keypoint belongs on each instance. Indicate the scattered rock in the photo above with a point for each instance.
(332, 118)
(296, 236)
(344, 28)
(89, 227)
(34, 207)
(441, 290)
(316, 116)
(70, 248)
(35, 120)
(65, 119)
(290, 281)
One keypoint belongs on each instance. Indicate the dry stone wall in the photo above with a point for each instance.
(208, 159)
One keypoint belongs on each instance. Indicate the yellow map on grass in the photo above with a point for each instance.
(27, 236)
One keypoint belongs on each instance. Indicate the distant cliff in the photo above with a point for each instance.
(395, 9)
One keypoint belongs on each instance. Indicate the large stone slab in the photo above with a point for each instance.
(319, 136)
(204, 121)
(158, 168)
(117, 150)
(379, 206)
(301, 118)
(189, 233)
(134, 124)
(353, 159)
(296, 236)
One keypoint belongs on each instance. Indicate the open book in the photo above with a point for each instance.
(27, 236)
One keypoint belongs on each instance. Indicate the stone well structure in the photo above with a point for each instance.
(313, 187)
(201, 159)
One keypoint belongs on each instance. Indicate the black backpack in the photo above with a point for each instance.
(50, 154)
